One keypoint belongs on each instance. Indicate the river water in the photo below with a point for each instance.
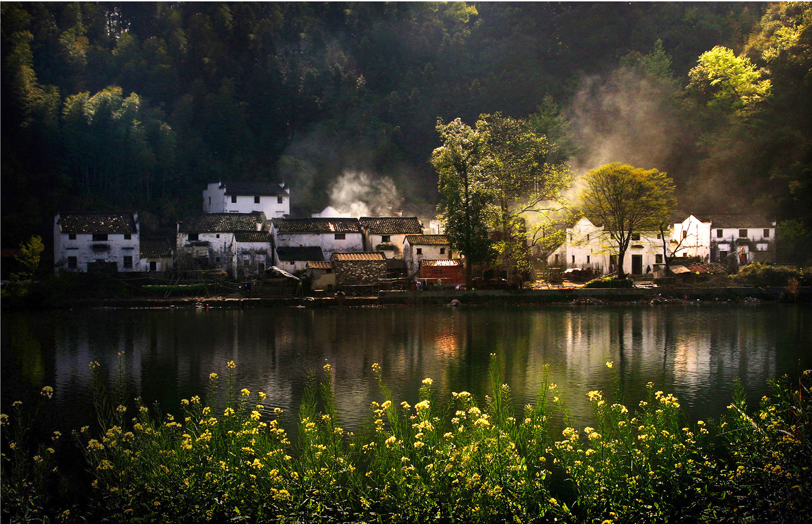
(694, 351)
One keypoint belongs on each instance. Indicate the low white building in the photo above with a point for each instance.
(589, 246)
(223, 241)
(332, 235)
(429, 247)
(157, 254)
(247, 197)
(725, 238)
(386, 234)
(294, 258)
(97, 242)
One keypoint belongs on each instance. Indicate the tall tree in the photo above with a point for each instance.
(521, 182)
(464, 197)
(627, 200)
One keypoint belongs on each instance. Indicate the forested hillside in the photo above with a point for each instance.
(138, 105)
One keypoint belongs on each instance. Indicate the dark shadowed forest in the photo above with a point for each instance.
(111, 106)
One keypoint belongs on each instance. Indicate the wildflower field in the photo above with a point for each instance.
(445, 460)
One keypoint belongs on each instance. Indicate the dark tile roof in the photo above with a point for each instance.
(156, 247)
(220, 222)
(736, 221)
(254, 188)
(111, 223)
(427, 240)
(252, 236)
(363, 256)
(317, 225)
(293, 254)
(391, 225)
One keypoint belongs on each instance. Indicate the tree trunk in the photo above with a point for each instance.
(621, 254)
(469, 273)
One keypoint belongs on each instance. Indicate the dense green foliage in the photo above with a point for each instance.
(138, 105)
(627, 200)
(441, 459)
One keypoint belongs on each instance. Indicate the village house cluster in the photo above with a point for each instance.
(245, 229)
(723, 239)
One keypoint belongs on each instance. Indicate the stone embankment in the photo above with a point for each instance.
(571, 296)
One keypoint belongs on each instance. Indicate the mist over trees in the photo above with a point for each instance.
(136, 105)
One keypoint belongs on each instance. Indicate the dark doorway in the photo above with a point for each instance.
(637, 264)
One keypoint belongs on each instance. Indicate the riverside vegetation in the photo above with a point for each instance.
(227, 458)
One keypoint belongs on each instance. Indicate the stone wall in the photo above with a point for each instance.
(358, 272)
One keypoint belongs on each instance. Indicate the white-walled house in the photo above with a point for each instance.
(157, 254)
(386, 234)
(429, 247)
(252, 252)
(332, 235)
(97, 241)
(223, 241)
(295, 258)
(247, 197)
(589, 246)
(725, 238)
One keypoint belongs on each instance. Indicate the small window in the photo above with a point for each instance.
(442, 251)
(659, 236)
(153, 265)
(193, 237)
(128, 262)
(128, 236)
(340, 236)
(233, 199)
(635, 236)
(280, 200)
(385, 238)
(420, 251)
(658, 259)
(71, 236)
(209, 201)
(217, 235)
(329, 270)
(573, 259)
(256, 199)
(587, 237)
(72, 263)
(719, 233)
(742, 233)
(587, 259)
(766, 233)
(684, 234)
(99, 237)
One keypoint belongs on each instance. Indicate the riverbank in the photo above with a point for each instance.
(573, 296)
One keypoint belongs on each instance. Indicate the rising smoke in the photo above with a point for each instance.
(625, 118)
(361, 195)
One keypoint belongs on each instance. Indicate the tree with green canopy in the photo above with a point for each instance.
(464, 196)
(627, 200)
(521, 183)
(728, 81)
